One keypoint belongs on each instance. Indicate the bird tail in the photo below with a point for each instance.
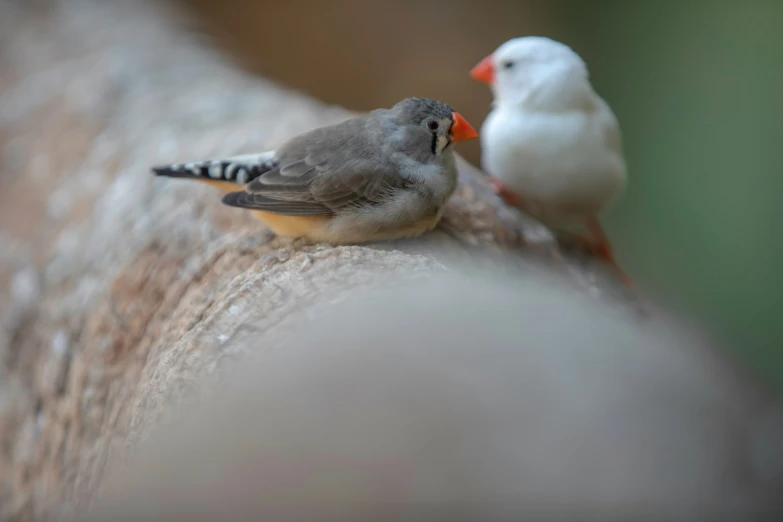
(225, 173)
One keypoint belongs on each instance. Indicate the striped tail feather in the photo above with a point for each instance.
(235, 169)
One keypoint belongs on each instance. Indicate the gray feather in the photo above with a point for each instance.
(244, 199)
(354, 164)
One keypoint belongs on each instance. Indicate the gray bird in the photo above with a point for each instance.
(383, 176)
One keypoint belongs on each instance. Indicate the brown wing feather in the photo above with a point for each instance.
(324, 171)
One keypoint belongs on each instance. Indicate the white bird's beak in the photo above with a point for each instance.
(484, 71)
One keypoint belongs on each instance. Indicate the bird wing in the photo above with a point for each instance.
(610, 126)
(322, 172)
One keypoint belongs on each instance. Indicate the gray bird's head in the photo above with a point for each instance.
(535, 69)
(431, 125)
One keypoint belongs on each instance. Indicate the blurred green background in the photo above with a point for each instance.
(697, 87)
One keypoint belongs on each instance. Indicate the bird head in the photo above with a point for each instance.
(526, 66)
(432, 122)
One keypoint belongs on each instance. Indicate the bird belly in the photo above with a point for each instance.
(342, 231)
(315, 228)
(418, 228)
(561, 170)
(565, 190)
(407, 213)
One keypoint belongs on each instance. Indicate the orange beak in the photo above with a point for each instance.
(484, 71)
(461, 129)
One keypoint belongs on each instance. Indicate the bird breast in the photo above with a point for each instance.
(561, 159)
(437, 180)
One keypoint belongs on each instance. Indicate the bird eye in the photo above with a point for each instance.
(432, 125)
(508, 65)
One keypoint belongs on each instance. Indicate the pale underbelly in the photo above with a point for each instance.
(568, 192)
(345, 230)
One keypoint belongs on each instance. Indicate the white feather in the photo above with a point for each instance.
(550, 138)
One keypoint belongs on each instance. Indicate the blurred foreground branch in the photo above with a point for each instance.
(124, 292)
(527, 401)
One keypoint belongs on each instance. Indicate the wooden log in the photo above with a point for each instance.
(124, 291)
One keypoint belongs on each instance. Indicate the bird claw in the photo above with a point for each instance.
(497, 187)
(597, 249)
(604, 252)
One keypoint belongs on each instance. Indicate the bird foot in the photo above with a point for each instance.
(603, 251)
(598, 249)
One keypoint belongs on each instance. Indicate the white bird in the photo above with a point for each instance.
(551, 144)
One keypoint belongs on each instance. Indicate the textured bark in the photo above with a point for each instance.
(124, 290)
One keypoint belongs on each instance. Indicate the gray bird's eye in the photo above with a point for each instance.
(508, 65)
(432, 125)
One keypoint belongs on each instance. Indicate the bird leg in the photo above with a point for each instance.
(509, 197)
(598, 243)
(600, 246)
